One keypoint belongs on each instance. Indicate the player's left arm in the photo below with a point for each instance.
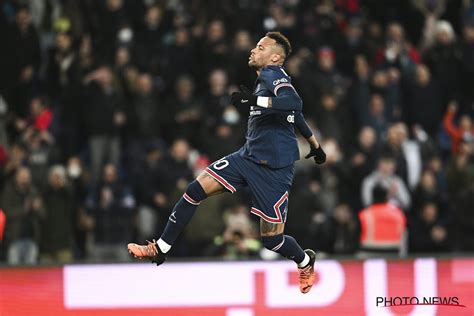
(316, 150)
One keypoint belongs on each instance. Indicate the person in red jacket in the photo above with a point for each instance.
(383, 226)
(465, 130)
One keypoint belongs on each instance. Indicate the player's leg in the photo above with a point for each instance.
(222, 175)
(184, 209)
(274, 239)
(182, 213)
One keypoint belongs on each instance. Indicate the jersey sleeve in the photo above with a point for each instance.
(274, 78)
(302, 126)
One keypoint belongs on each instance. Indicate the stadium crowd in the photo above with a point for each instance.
(109, 108)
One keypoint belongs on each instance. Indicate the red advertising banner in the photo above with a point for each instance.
(423, 286)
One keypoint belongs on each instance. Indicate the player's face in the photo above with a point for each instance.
(262, 54)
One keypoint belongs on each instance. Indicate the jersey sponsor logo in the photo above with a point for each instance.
(278, 81)
(290, 118)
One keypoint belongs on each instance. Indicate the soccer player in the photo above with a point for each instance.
(265, 163)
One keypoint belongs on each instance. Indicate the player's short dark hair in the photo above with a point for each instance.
(281, 40)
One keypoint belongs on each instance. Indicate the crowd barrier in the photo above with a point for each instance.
(422, 286)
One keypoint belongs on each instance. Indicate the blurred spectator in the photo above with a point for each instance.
(57, 224)
(239, 240)
(383, 226)
(333, 177)
(149, 42)
(177, 167)
(3, 121)
(186, 110)
(362, 161)
(427, 192)
(25, 57)
(152, 189)
(467, 68)
(40, 116)
(385, 176)
(112, 208)
(23, 209)
(398, 52)
(335, 233)
(147, 116)
(179, 59)
(217, 100)
(40, 148)
(79, 180)
(17, 157)
(463, 218)
(227, 137)
(375, 115)
(444, 61)
(460, 170)
(353, 44)
(3, 221)
(412, 152)
(113, 16)
(214, 47)
(428, 234)
(423, 104)
(242, 45)
(327, 78)
(332, 119)
(319, 23)
(360, 90)
(392, 146)
(104, 116)
(463, 132)
(63, 80)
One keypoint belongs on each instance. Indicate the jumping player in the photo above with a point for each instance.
(265, 163)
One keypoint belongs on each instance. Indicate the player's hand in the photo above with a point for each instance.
(243, 97)
(318, 154)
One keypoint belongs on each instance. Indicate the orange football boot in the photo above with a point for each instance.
(306, 274)
(151, 251)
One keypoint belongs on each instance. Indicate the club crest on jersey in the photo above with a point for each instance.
(278, 81)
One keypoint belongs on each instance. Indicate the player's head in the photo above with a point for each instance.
(272, 49)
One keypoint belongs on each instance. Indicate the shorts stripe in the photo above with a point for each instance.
(276, 208)
(221, 180)
(257, 212)
(190, 200)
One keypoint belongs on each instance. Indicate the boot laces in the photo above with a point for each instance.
(305, 273)
(151, 249)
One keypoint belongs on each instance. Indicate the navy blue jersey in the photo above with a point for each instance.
(270, 135)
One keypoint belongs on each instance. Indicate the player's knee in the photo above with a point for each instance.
(195, 191)
(273, 242)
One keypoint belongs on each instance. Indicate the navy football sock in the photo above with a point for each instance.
(183, 211)
(285, 246)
